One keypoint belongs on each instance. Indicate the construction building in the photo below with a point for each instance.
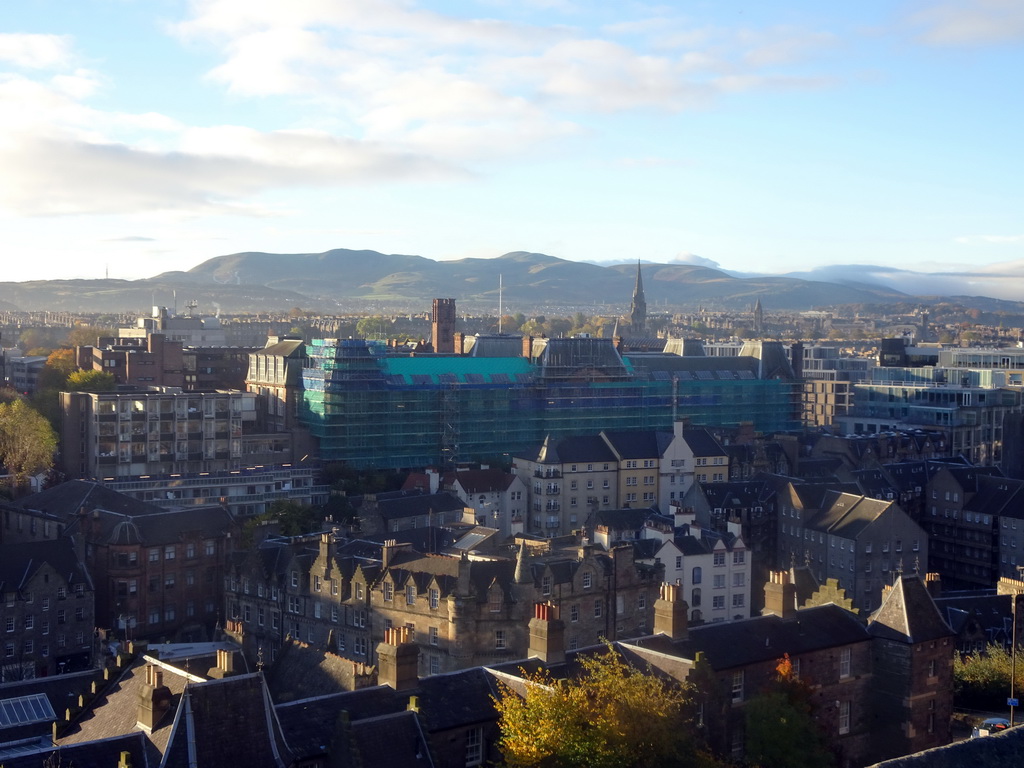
(372, 409)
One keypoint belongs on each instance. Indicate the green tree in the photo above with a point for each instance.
(981, 680)
(91, 381)
(27, 441)
(611, 715)
(781, 731)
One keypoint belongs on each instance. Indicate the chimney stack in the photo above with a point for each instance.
(670, 613)
(779, 595)
(397, 660)
(154, 699)
(547, 634)
(225, 665)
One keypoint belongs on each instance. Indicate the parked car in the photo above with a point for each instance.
(989, 726)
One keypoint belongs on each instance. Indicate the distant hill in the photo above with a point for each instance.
(345, 280)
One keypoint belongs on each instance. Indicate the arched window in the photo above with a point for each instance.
(696, 575)
(695, 598)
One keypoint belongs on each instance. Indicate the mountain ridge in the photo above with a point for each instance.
(341, 280)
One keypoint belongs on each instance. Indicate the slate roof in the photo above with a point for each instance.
(480, 480)
(848, 515)
(116, 712)
(579, 449)
(633, 444)
(626, 519)
(67, 498)
(226, 722)
(736, 494)
(284, 348)
(20, 562)
(418, 504)
(991, 614)
(908, 614)
(765, 638)
(702, 442)
(301, 671)
(164, 525)
(389, 741)
(998, 496)
(103, 753)
(445, 702)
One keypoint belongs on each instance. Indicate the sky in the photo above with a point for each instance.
(141, 136)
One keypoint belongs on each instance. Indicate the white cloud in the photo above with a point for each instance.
(694, 259)
(35, 51)
(219, 170)
(972, 22)
(409, 93)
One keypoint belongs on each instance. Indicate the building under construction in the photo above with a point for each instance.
(372, 409)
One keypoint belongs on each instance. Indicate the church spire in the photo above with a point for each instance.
(638, 309)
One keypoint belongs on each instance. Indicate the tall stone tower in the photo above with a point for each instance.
(442, 326)
(638, 309)
(758, 318)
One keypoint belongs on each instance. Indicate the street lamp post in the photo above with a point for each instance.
(1013, 656)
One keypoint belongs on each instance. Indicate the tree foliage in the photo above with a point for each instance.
(91, 381)
(781, 730)
(27, 441)
(981, 680)
(610, 716)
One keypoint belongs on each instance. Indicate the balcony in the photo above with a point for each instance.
(547, 473)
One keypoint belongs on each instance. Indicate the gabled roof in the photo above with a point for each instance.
(633, 444)
(226, 722)
(579, 449)
(848, 515)
(480, 480)
(301, 671)
(394, 740)
(702, 443)
(284, 348)
(20, 562)
(737, 494)
(998, 496)
(908, 614)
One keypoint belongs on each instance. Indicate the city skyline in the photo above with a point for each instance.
(144, 137)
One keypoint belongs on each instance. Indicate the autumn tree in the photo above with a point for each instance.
(780, 727)
(611, 715)
(27, 441)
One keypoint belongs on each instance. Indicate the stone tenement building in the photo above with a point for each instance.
(460, 611)
(46, 610)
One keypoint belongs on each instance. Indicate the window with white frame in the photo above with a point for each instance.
(474, 747)
(845, 656)
(844, 717)
(737, 686)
